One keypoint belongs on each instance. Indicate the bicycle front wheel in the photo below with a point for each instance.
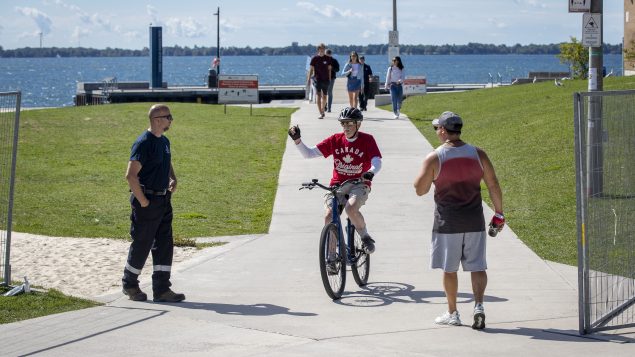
(332, 261)
(361, 267)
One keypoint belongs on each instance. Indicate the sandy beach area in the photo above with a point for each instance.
(83, 267)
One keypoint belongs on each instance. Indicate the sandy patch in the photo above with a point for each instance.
(84, 267)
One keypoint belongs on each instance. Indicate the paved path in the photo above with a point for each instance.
(262, 295)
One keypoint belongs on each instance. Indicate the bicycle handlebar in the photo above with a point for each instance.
(314, 182)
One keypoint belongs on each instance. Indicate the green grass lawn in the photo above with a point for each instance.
(72, 161)
(527, 130)
(36, 304)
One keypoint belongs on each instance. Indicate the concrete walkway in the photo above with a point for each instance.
(262, 295)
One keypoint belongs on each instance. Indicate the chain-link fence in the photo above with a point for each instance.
(605, 176)
(9, 123)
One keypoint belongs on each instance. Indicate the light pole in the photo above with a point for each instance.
(595, 157)
(394, 15)
(217, 14)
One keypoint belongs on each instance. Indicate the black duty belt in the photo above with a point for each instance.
(155, 193)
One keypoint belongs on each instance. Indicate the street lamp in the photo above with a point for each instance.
(217, 14)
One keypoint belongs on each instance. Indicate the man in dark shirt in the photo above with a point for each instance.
(335, 69)
(365, 94)
(321, 70)
(152, 182)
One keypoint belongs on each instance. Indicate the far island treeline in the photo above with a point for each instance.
(468, 49)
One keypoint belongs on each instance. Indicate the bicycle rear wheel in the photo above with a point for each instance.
(361, 267)
(332, 261)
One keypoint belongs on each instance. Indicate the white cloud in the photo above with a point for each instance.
(154, 18)
(42, 20)
(189, 27)
(104, 23)
(497, 23)
(80, 32)
(368, 34)
(531, 3)
(227, 26)
(132, 35)
(328, 11)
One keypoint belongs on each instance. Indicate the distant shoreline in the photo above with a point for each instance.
(297, 50)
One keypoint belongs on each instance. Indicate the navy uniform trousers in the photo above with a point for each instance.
(151, 230)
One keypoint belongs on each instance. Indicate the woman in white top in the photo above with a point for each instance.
(394, 82)
(354, 71)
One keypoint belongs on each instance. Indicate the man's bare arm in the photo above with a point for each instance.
(424, 179)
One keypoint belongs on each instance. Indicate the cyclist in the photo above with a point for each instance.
(355, 155)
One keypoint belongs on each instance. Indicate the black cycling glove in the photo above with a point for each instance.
(294, 132)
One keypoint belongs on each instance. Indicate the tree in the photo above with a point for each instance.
(576, 56)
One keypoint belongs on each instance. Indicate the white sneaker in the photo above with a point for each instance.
(479, 317)
(396, 116)
(449, 319)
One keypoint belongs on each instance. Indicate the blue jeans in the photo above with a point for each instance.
(396, 95)
(329, 92)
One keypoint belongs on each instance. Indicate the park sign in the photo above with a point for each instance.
(591, 30)
(579, 5)
(414, 85)
(238, 89)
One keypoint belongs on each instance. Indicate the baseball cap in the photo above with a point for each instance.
(450, 121)
(362, 57)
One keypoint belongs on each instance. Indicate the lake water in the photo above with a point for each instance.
(51, 82)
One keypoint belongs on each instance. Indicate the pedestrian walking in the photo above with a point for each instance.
(335, 69)
(458, 234)
(321, 70)
(355, 79)
(394, 83)
(365, 93)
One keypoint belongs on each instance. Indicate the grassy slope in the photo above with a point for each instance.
(71, 165)
(36, 304)
(527, 130)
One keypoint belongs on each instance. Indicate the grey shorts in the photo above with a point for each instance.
(358, 191)
(447, 250)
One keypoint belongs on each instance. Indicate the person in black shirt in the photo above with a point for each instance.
(365, 94)
(152, 182)
(335, 68)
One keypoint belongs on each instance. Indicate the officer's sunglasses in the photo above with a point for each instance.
(168, 117)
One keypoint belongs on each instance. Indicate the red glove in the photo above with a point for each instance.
(498, 221)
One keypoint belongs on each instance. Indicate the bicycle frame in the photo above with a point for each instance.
(349, 243)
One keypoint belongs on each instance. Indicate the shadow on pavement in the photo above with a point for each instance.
(248, 310)
(386, 293)
(558, 335)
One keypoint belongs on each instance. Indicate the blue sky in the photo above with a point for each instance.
(124, 24)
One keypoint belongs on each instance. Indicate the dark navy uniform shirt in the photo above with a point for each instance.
(154, 155)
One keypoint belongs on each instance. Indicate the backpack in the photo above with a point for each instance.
(335, 65)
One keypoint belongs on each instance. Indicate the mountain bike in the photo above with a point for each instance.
(336, 252)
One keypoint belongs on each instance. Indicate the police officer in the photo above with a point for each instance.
(152, 182)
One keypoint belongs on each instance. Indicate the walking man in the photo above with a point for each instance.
(335, 68)
(365, 94)
(152, 182)
(321, 70)
(458, 233)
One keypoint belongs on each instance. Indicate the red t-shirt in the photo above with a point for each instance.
(350, 159)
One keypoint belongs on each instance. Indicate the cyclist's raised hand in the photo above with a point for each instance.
(294, 132)
(368, 176)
